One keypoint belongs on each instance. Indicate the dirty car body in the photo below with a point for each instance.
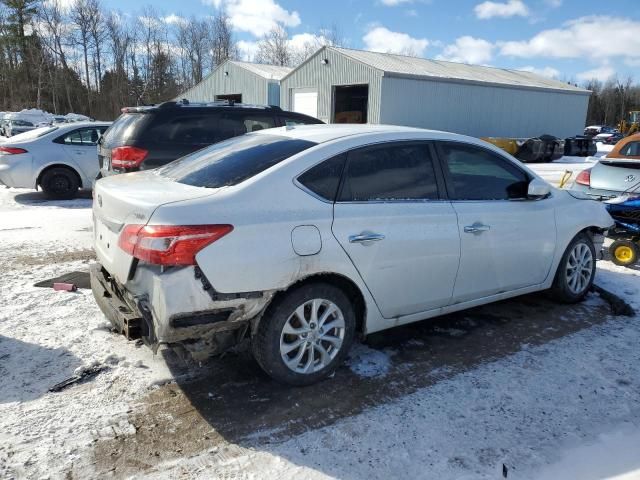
(203, 252)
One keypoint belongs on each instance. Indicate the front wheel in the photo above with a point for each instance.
(576, 271)
(305, 334)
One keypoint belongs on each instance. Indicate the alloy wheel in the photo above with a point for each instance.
(579, 268)
(312, 336)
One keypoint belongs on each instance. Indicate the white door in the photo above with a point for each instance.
(507, 241)
(401, 237)
(305, 100)
(81, 147)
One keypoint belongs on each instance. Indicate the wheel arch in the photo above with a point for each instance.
(58, 165)
(347, 285)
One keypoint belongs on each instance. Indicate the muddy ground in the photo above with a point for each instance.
(230, 400)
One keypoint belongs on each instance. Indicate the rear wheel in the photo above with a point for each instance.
(624, 253)
(576, 271)
(305, 334)
(60, 183)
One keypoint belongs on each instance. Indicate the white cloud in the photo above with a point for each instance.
(600, 73)
(247, 50)
(381, 39)
(393, 3)
(256, 16)
(511, 8)
(553, 3)
(174, 19)
(590, 37)
(468, 50)
(548, 72)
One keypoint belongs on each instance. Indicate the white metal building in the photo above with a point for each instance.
(344, 85)
(245, 82)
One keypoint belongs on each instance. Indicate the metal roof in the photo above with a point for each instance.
(270, 72)
(401, 65)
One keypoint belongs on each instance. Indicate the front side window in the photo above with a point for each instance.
(233, 161)
(631, 149)
(389, 172)
(474, 173)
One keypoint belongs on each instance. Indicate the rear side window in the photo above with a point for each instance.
(233, 161)
(182, 129)
(124, 128)
(324, 179)
(477, 174)
(299, 120)
(83, 136)
(631, 149)
(390, 172)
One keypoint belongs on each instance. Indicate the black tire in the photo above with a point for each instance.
(60, 183)
(624, 253)
(266, 341)
(561, 289)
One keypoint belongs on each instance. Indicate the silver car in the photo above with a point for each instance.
(14, 127)
(609, 178)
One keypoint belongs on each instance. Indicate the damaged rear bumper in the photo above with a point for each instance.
(176, 307)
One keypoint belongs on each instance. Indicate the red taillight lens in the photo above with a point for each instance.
(12, 150)
(584, 178)
(169, 244)
(127, 157)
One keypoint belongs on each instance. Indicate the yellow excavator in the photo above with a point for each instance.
(631, 124)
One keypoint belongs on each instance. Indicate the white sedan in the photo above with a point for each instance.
(301, 238)
(60, 159)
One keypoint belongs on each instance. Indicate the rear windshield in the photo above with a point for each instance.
(122, 130)
(233, 161)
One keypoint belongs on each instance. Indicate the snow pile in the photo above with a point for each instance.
(36, 116)
(367, 362)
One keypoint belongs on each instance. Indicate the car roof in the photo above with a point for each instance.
(321, 133)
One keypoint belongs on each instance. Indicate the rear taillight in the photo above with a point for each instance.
(169, 244)
(12, 150)
(584, 178)
(127, 157)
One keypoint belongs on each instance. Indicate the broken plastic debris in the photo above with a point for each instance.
(80, 377)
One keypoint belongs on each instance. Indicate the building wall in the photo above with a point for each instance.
(481, 111)
(339, 71)
(252, 87)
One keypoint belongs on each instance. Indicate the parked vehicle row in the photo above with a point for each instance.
(302, 238)
(11, 127)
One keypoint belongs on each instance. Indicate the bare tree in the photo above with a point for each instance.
(81, 16)
(223, 46)
(274, 48)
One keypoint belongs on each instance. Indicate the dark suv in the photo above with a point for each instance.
(148, 137)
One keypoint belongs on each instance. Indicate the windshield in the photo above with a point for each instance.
(21, 123)
(233, 161)
(32, 134)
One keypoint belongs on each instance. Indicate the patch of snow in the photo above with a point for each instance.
(368, 362)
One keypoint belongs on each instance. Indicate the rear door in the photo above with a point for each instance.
(507, 241)
(395, 227)
(80, 146)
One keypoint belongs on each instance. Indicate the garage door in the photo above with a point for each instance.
(305, 100)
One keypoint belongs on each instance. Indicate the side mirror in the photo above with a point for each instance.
(538, 189)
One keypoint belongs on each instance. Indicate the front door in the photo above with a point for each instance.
(400, 235)
(507, 241)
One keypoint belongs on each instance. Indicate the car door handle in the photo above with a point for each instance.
(476, 228)
(366, 237)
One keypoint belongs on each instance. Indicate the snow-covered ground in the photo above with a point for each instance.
(569, 408)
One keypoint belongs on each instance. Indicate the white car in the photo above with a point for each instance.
(60, 159)
(301, 238)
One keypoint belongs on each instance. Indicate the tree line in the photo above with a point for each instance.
(86, 59)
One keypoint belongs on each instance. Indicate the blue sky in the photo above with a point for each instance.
(567, 39)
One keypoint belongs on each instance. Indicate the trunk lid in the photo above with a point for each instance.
(131, 199)
(615, 175)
